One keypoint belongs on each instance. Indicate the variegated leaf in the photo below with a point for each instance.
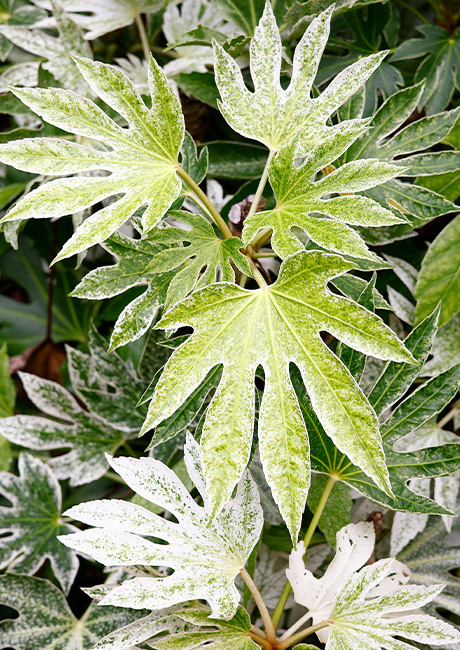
(206, 555)
(142, 158)
(46, 621)
(273, 327)
(299, 200)
(273, 115)
(205, 250)
(29, 528)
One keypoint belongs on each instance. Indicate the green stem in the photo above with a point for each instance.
(220, 223)
(261, 186)
(143, 37)
(283, 645)
(261, 606)
(279, 609)
(258, 256)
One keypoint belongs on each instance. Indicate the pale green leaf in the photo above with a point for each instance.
(206, 555)
(7, 387)
(46, 621)
(298, 198)
(204, 260)
(273, 115)
(439, 278)
(272, 327)
(142, 159)
(446, 347)
(30, 526)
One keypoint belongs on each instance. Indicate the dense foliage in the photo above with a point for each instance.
(230, 346)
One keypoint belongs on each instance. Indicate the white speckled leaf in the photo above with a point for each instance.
(57, 51)
(298, 198)
(142, 158)
(446, 347)
(29, 528)
(273, 327)
(206, 556)
(359, 620)
(205, 250)
(271, 114)
(88, 436)
(45, 620)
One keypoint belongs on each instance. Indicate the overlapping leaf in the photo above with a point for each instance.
(206, 556)
(142, 158)
(33, 522)
(13, 13)
(205, 250)
(273, 115)
(439, 278)
(57, 51)
(446, 347)
(297, 197)
(387, 141)
(419, 407)
(46, 621)
(273, 327)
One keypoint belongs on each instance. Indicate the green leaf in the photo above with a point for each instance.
(196, 165)
(439, 278)
(353, 286)
(205, 259)
(236, 160)
(87, 435)
(448, 185)
(396, 378)
(446, 347)
(142, 159)
(30, 526)
(24, 324)
(201, 85)
(273, 115)
(226, 635)
(244, 14)
(440, 65)
(424, 403)
(7, 387)
(57, 51)
(273, 327)
(131, 270)
(46, 621)
(337, 511)
(206, 556)
(297, 198)
(387, 141)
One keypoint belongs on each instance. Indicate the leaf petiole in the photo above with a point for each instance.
(143, 37)
(259, 601)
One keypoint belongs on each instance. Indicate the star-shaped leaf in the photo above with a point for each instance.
(440, 65)
(387, 141)
(131, 270)
(226, 635)
(360, 618)
(298, 198)
(57, 51)
(271, 114)
(142, 157)
(273, 327)
(33, 522)
(205, 250)
(46, 621)
(88, 436)
(206, 556)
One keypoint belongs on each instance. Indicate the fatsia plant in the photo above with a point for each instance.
(273, 350)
